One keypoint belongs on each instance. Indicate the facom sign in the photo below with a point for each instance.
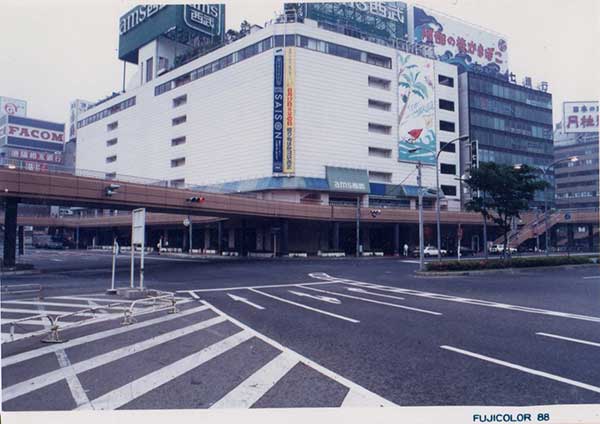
(580, 117)
(33, 133)
(182, 23)
(386, 20)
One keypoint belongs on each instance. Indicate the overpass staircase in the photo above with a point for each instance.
(531, 228)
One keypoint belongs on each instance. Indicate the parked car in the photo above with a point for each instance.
(433, 251)
(499, 249)
(464, 251)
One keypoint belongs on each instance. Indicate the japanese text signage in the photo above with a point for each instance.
(205, 18)
(289, 116)
(39, 156)
(580, 117)
(13, 107)
(77, 108)
(278, 114)
(385, 20)
(468, 47)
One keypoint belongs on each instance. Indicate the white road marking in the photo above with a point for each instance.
(244, 300)
(321, 298)
(194, 295)
(357, 290)
(364, 299)
(77, 390)
(51, 377)
(410, 262)
(374, 399)
(41, 322)
(255, 386)
(24, 302)
(127, 393)
(525, 369)
(592, 277)
(249, 287)
(34, 312)
(86, 299)
(569, 339)
(25, 356)
(356, 399)
(310, 308)
(445, 297)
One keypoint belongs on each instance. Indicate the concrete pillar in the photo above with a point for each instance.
(591, 237)
(231, 239)
(21, 240)
(206, 238)
(268, 240)
(396, 239)
(185, 239)
(336, 236)
(365, 239)
(259, 239)
(244, 244)
(220, 237)
(284, 237)
(10, 232)
(77, 238)
(413, 204)
(570, 237)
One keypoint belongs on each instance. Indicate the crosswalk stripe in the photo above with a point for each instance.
(255, 386)
(310, 308)
(27, 322)
(364, 299)
(569, 339)
(356, 399)
(25, 356)
(66, 305)
(35, 312)
(133, 390)
(51, 377)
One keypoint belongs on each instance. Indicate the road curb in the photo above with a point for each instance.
(23, 272)
(497, 271)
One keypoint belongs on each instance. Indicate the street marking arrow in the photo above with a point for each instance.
(321, 298)
(244, 300)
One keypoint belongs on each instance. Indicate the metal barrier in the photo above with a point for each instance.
(167, 299)
(23, 289)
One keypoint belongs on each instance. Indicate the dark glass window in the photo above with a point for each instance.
(447, 81)
(149, 68)
(448, 169)
(449, 190)
(446, 105)
(451, 148)
(447, 126)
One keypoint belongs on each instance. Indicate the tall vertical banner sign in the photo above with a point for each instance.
(416, 119)
(290, 113)
(278, 109)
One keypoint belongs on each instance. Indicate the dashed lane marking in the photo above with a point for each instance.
(569, 339)
(357, 290)
(25, 356)
(249, 287)
(310, 308)
(524, 369)
(364, 299)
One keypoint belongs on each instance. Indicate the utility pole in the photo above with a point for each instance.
(421, 235)
(358, 226)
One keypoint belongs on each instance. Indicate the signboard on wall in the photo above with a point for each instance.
(378, 19)
(416, 119)
(580, 117)
(33, 133)
(33, 155)
(461, 44)
(182, 23)
(278, 112)
(77, 108)
(290, 114)
(13, 107)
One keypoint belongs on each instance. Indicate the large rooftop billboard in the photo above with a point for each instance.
(580, 117)
(469, 47)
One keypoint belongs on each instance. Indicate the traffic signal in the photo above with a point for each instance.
(195, 199)
(111, 189)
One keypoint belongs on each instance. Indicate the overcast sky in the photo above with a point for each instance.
(54, 51)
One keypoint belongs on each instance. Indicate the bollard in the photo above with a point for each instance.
(54, 336)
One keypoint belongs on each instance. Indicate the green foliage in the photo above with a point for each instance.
(473, 265)
(505, 192)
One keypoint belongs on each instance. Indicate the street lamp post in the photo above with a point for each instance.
(420, 198)
(544, 172)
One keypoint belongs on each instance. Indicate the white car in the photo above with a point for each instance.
(499, 248)
(432, 251)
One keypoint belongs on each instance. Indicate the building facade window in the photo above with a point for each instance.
(384, 177)
(444, 80)
(111, 142)
(179, 120)
(110, 175)
(379, 105)
(380, 129)
(111, 159)
(176, 163)
(446, 105)
(112, 126)
(105, 113)
(178, 183)
(379, 152)
(380, 83)
(149, 69)
(180, 101)
(448, 147)
(447, 126)
(449, 190)
(448, 169)
(178, 141)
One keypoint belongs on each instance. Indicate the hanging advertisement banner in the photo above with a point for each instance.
(290, 117)
(278, 115)
(416, 119)
(580, 117)
(461, 44)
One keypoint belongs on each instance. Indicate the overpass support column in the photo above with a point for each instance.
(10, 232)
(396, 239)
(206, 238)
(219, 237)
(285, 249)
(336, 236)
(590, 237)
(365, 239)
(231, 239)
(21, 240)
(570, 237)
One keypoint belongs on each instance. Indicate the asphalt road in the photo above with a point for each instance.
(305, 333)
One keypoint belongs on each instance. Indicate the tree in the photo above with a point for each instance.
(503, 192)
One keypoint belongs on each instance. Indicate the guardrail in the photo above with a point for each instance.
(167, 298)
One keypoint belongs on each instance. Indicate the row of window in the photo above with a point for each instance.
(578, 184)
(576, 195)
(510, 92)
(267, 44)
(511, 125)
(581, 162)
(509, 108)
(507, 141)
(387, 129)
(577, 174)
(125, 104)
(510, 158)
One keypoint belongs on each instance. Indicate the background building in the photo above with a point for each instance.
(577, 135)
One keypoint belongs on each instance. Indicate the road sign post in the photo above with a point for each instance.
(138, 236)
